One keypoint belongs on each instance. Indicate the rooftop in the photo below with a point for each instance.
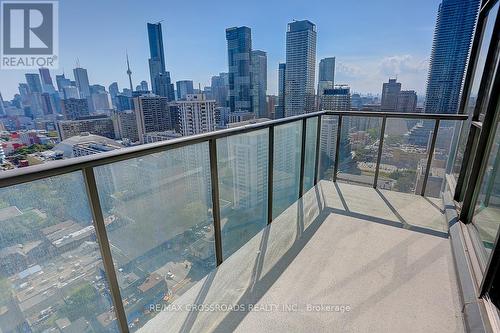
(66, 146)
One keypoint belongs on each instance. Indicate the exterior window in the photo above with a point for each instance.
(487, 29)
(486, 217)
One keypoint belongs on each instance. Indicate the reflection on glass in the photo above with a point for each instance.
(358, 150)
(477, 75)
(475, 142)
(463, 132)
(242, 166)
(327, 147)
(160, 227)
(488, 26)
(436, 181)
(51, 273)
(286, 176)
(310, 153)
(404, 155)
(487, 210)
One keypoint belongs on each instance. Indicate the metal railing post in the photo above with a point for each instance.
(102, 238)
(214, 179)
(270, 174)
(379, 155)
(337, 149)
(302, 157)
(429, 159)
(318, 142)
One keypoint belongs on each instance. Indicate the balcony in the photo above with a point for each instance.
(303, 216)
(330, 262)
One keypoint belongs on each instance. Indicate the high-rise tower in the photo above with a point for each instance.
(157, 56)
(2, 108)
(161, 83)
(326, 74)
(33, 81)
(450, 49)
(259, 83)
(219, 87)
(47, 85)
(300, 67)
(184, 88)
(279, 110)
(390, 95)
(82, 81)
(239, 49)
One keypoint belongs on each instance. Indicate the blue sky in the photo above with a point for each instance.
(371, 40)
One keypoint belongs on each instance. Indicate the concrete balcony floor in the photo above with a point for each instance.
(383, 255)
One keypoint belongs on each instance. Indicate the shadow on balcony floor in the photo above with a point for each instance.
(345, 258)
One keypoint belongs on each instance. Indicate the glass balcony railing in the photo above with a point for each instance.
(51, 263)
(359, 142)
(243, 180)
(161, 243)
(105, 239)
(286, 166)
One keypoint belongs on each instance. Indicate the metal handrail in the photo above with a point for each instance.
(402, 115)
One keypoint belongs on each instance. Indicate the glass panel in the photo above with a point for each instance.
(310, 153)
(404, 154)
(487, 210)
(488, 26)
(242, 165)
(475, 142)
(162, 237)
(358, 150)
(463, 132)
(437, 173)
(286, 176)
(327, 147)
(51, 273)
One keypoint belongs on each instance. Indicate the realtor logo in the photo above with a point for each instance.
(29, 37)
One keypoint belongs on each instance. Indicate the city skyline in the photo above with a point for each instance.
(363, 61)
(128, 205)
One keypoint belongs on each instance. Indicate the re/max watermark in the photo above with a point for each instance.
(29, 36)
(270, 307)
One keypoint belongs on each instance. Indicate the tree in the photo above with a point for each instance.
(5, 290)
(405, 180)
(373, 133)
(193, 212)
(362, 154)
(82, 302)
(33, 149)
(394, 139)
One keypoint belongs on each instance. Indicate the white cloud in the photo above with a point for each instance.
(348, 70)
(367, 74)
(395, 65)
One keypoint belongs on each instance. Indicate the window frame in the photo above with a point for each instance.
(463, 183)
(481, 129)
